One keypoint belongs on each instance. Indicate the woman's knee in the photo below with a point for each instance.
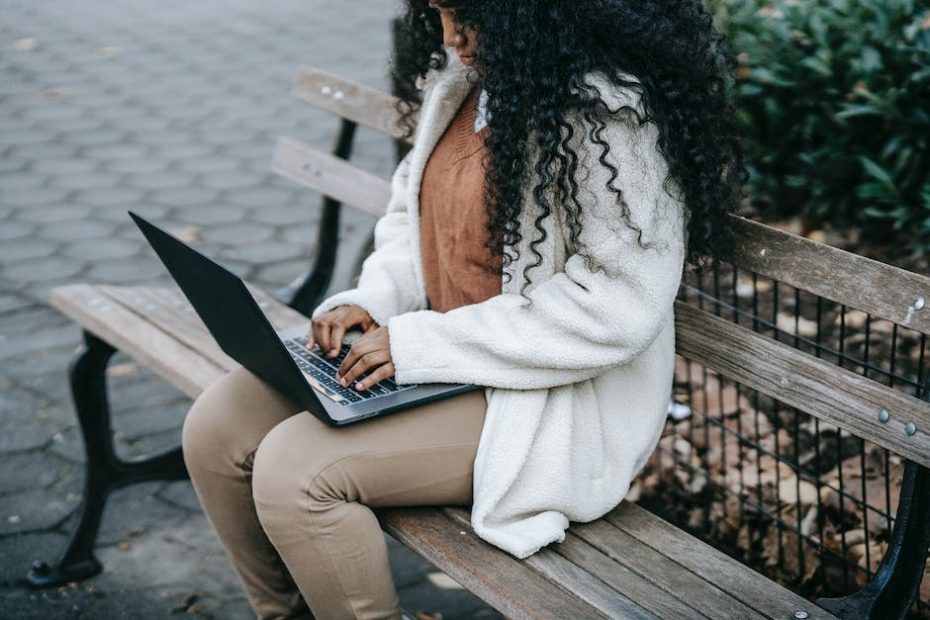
(287, 463)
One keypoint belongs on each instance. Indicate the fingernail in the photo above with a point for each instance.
(333, 353)
(358, 386)
(343, 381)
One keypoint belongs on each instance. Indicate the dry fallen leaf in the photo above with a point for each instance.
(26, 44)
(108, 52)
(122, 370)
(187, 234)
(56, 94)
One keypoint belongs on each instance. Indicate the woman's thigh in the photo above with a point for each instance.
(230, 418)
(422, 455)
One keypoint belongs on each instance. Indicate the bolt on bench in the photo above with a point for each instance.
(629, 564)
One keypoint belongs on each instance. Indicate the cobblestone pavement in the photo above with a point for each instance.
(170, 108)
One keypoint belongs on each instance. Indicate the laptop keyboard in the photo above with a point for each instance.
(323, 369)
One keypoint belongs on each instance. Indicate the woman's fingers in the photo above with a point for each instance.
(383, 372)
(335, 337)
(329, 329)
(370, 353)
(358, 364)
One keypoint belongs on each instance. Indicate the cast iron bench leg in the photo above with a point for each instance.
(104, 470)
(895, 585)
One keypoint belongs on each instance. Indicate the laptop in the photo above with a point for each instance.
(280, 358)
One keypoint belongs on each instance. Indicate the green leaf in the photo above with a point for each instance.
(878, 173)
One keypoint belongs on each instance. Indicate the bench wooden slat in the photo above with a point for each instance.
(798, 379)
(331, 176)
(366, 106)
(173, 315)
(168, 309)
(869, 285)
(706, 599)
(491, 574)
(138, 338)
(728, 574)
(609, 586)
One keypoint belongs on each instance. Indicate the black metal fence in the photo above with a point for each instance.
(798, 499)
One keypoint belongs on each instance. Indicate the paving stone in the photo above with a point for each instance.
(141, 123)
(264, 253)
(301, 233)
(64, 165)
(52, 213)
(84, 181)
(12, 164)
(11, 302)
(256, 154)
(83, 123)
(21, 180)
(179, 153)
(34, 332)
(238, 232)
(115, 151)
(283, 273)
(194, 197)
(21, 249)
(110, 195)
(52, 112)
(21, 550)
(158, 138)
(24, 137)
(35, 509)
(136, 166)
(118, 215)
(32, 197)
(29, 470)
(14, 230)
(137, 420)
(128, 522)
(167, 179)
(71, 231)
(235, 180)
(135, 270)
(41, 269)
(100, 249)
(181, 494)
(93, 137)
(43, 150)
(209, 162)
(263, 196)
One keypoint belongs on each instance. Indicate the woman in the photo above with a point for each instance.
(569, 155)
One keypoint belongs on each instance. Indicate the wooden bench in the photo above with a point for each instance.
(630, 563)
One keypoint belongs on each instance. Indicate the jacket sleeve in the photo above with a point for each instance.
(582, 320)
(387, 285)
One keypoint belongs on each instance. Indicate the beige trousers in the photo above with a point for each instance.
(291, 497)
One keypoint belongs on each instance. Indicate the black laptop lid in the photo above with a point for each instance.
(232, 315)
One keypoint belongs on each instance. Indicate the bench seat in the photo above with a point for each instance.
(630, 564)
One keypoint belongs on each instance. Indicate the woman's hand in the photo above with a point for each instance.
(371, 352)
(329, 329)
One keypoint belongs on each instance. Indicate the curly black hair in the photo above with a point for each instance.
(535, 55)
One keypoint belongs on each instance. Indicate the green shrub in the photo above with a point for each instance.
(835, 108)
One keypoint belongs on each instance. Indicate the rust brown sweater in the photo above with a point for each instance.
(453, 219)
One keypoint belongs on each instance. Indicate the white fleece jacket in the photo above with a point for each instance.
(578, 383)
